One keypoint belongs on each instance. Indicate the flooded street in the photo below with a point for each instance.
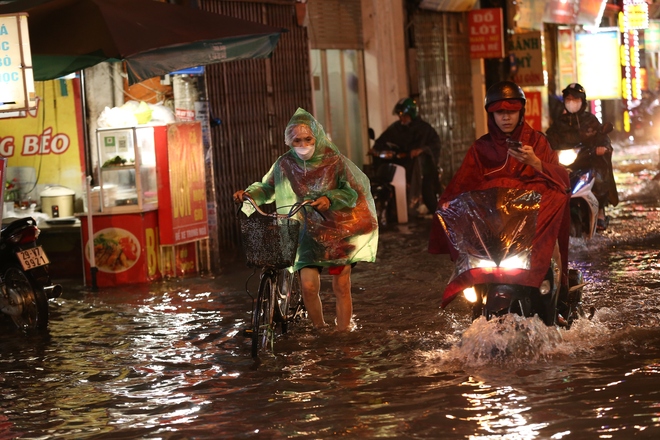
(169, 361)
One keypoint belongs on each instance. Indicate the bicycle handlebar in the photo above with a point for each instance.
(294, 209)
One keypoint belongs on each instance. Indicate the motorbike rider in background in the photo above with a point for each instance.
(421, 142)
(578, 126)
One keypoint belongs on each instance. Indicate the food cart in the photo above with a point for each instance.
(148, 211)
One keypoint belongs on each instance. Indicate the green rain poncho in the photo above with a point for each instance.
(349, 232)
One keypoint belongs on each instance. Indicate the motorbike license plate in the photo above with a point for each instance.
(33, 257)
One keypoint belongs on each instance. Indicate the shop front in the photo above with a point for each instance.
(146, 209)
(43, 147)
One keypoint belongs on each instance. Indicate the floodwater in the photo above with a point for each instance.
(168, 360)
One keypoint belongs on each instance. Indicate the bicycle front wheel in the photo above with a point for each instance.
(263, 330)
(290, 303)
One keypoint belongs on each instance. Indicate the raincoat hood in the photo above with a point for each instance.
(322, 146)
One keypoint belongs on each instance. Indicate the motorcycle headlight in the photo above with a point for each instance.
(477, 262)
(520, 261)
(567, 157)
(515, 262)
(470, 294)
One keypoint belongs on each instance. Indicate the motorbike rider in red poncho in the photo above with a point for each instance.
(489, 163)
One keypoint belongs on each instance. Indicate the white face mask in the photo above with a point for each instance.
(573, 106)
(305, 153)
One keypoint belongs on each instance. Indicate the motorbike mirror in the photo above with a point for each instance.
(607, 127)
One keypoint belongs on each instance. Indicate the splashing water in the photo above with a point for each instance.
(510, 339)
(515, 341)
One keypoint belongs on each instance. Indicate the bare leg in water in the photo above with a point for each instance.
(310, 279)
(341, 286)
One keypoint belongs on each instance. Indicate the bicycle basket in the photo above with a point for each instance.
(268, 242)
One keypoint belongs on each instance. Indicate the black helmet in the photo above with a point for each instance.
(504, 90)
(576, 90)
(406, 106)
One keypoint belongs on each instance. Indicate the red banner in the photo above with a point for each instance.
(533, 110)
(182, 213)
(486, 38)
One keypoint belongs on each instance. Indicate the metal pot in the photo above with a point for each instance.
(57, 201)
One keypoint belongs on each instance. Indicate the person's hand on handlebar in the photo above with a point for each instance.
(601, 151)
(238, 195)
(416, 152)
(321, 204)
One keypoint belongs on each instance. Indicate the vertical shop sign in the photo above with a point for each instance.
(636, 14)
(182, 210)
(485, 27)
(528, 55)
(566, 56)
(533, 112)
(16, 77)
(632, 19)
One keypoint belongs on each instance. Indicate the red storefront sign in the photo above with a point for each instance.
(182, 213)
(533, 110)
(486, 37)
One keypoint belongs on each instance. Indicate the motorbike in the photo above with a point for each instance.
(398, 195)
(389, 185)
(586, 184)
(493, 232)
(25, 283)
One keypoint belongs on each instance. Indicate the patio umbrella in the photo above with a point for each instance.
(151, 37)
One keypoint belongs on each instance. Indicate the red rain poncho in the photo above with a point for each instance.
(349, 232)
(487, 165)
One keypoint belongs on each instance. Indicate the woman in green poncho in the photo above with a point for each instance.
(346, 232)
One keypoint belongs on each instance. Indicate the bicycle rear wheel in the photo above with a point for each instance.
(262, 315)
(290, 302)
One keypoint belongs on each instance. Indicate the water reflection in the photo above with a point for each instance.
(169, 361)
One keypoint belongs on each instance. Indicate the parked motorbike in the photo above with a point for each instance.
(586, 184)
(493, 231)
(389, 185)
(25, 284)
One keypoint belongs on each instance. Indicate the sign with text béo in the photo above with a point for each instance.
(485, 27)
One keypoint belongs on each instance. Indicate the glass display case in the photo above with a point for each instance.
(126, 170)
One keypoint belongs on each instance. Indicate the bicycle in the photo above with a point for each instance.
(270, 241)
